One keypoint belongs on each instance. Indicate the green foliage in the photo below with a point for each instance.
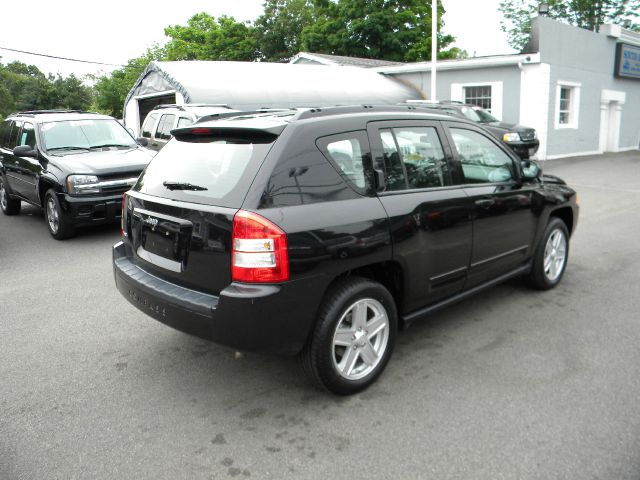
(588, 14)
(279, 28)
(205, 38)
(398, 30)
(24, 87)
(112, 89)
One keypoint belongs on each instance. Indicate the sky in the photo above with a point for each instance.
(119, 30)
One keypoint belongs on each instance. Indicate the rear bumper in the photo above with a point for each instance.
(92, 210)
(267, 318)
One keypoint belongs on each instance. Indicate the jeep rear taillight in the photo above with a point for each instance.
(259, 250)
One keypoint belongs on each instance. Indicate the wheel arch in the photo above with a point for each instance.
(389, 274)
(45, 184)
(566, 215)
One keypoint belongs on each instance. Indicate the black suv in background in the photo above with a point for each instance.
(323, 232)
(164, 118)
(522, 140)
(75, 165)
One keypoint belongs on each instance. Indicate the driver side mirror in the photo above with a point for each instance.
(530, 170)
(25, 151)
(143, 141)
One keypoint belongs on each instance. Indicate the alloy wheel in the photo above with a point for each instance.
(555, 255)
(52, 215)
(360, 339)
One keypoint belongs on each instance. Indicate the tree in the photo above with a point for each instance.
(205, 38)
(279, 28)
(112, 89)
(588, 14)
(385, 29)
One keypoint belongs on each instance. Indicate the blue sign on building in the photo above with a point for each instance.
(627, 61)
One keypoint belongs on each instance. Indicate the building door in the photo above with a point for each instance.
(610, 120)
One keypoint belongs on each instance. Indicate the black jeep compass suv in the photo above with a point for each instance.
(323, 232)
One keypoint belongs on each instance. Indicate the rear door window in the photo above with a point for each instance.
(165, 126)
(214, 169)
(13, 136)
(149, 123)
(413, 158)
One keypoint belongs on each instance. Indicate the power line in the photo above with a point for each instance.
(61, 58)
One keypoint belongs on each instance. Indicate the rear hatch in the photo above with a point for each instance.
(179, 216)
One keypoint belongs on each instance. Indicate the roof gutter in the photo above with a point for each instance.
(480, 62)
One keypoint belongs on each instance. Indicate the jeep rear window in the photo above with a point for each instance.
(207, 169)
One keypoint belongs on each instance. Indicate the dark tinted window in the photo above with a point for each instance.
(422, 156)
(482, 160)
(413, 158)
(149, 124)
(13, 136)
(350, 153)
(28, 136)
(214, 170)
(395, 177)
(5, 130)
(165, 126)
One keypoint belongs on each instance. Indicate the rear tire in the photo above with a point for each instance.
(353, 338)
(8, 205)
(57, 219)
(550, 259)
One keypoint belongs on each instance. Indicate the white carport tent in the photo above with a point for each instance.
(253, 85)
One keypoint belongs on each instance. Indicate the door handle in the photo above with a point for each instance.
(485, 203)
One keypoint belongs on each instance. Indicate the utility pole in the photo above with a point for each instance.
(434, 46)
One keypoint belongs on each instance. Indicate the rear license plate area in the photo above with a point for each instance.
(162, 240)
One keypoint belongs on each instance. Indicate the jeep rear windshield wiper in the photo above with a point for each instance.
(182, 186)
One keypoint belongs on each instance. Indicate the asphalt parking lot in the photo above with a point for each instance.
(512, 384)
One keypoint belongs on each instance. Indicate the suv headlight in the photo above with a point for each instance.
(511, 137)
(77, 184)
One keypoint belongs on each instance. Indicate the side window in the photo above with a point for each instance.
(165, 126)
(423, 157)
(350, 153)
(149, 122)
(396, 179)
(5, 130)
(13, 136)
(28, 136)
(482, 161)
(184, 122)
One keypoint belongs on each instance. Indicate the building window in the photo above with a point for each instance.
(478, 95)
(567, 105)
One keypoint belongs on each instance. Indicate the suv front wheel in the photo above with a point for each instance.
(57, 220)
(551, 256)
(353, 338)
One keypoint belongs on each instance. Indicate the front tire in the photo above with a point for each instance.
(8, 205)
(551, 256)
(57, 219)
(353, 338)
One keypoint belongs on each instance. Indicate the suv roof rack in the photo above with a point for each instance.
(32, 113)
(181, 107)
(339, 110)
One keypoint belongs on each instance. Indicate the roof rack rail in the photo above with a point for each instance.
(40, 112)
(342, 109)
(181, 107)
(219, 116)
